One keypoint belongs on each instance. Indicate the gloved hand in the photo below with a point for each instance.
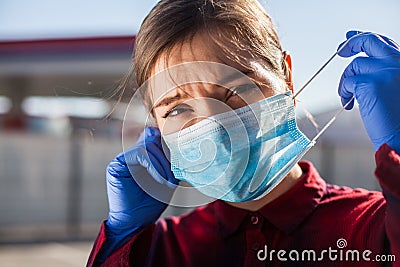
(131, 208)
(375, 82)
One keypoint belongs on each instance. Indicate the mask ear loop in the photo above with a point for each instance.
(315, 74)
(329, 123)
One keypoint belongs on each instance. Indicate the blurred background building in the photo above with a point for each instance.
(56, 135)
(60, 123)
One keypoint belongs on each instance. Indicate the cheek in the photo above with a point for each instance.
(239, 102)
(165, 126)
(160, 122)
(172, 125)
(267, 91)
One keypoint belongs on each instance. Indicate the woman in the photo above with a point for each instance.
(271, 210)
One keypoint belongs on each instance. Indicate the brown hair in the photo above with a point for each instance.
(234, 25)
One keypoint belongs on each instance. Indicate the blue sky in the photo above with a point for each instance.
(310, 30)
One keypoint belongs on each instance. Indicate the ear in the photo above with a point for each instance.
(288, 70)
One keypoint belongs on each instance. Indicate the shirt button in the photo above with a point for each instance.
(254, 219)
(255, 246)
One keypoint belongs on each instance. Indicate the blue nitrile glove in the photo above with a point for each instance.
(131, 208)
(375, 82)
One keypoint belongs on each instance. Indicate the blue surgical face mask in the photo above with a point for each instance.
(240, 155)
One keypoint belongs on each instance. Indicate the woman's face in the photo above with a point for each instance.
(207, 89)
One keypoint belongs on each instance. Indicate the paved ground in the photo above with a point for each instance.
(45, 255)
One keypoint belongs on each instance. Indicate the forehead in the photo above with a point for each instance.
(202, 47)
(198, 59)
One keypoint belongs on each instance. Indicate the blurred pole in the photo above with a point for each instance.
(74, 196)
(15, 119)
(327, 160)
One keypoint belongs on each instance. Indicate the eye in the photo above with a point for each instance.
(240, 89)
(177, 111)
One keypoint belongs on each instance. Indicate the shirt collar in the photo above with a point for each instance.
(286, 212)
(229, 217)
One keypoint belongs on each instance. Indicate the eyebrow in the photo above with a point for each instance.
(169, 100)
